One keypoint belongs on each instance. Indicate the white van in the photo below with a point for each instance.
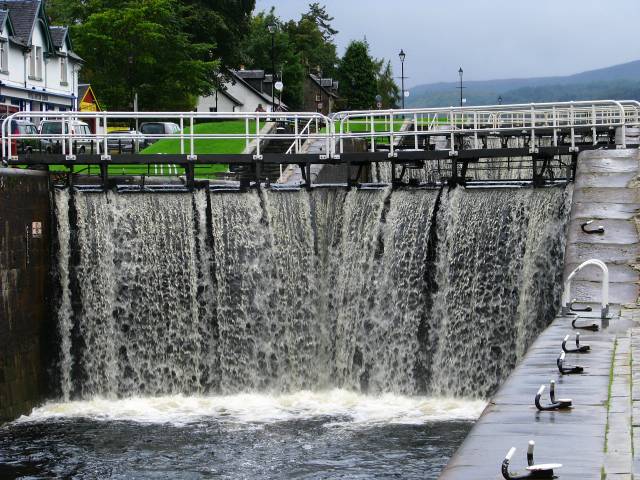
(81, 143)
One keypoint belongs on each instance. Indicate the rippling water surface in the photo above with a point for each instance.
(335, 434)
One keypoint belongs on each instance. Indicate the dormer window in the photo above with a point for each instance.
(35, 63)
(63, 71)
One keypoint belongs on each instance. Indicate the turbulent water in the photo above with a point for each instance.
(323, 334)
(412, 292)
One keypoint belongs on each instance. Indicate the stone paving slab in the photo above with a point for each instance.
(575, 437)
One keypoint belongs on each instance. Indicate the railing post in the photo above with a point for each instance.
(372, 129)
(258, 135)
(296, 136)
(415, 131)
(391, 138)
(572, 121)
(191, 137)
(181, 134)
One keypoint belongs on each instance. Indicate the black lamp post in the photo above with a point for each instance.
(460, 72)
(272, 30)
(402, 56)
(500, 100)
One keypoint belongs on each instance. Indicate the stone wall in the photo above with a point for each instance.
(25, 242)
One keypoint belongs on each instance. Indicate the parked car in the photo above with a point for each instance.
(158, 128)
(124, 141)
(24, 145)
(54, 127)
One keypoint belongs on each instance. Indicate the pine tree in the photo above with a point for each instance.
(357, 74)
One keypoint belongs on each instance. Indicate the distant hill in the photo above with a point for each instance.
(618, 81)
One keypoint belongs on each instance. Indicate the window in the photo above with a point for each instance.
(63, 71)
(4, 56)
(35, 63)
(39, 63)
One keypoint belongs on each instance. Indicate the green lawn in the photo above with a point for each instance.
(207, 145)
(172, 146)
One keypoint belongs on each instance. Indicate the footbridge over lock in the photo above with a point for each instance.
(534, 143)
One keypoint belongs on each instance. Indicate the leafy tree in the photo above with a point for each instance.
(226, 22)
(287, 61)
(141, 47)
(357, 74)
(387, 87)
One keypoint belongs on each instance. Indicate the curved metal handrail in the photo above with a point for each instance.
(566, 295)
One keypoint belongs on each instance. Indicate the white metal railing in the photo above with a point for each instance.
(560, 121)
(68, 140)
(604, 301)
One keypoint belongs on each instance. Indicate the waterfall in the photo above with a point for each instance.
(406, 291)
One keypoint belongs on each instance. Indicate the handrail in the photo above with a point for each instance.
(551, 119)
(566, 294)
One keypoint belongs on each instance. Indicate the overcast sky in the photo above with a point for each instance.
(489, 38)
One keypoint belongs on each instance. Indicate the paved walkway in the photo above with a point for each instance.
(598, 437)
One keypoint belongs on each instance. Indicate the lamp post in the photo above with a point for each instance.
(402, 56)
(272, 30)
(500, 100)
(460, 72)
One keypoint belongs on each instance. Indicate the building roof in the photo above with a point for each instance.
(58, 35)
(325, 84)
(231, 97)
(250, 73)
(23, 15)
(262, 95)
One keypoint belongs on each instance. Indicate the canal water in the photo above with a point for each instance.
(323, 334)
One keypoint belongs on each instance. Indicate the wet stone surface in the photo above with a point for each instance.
(577, 438)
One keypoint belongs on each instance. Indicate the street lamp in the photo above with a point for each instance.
(402, 56)
(500, 100)
(272, 30)
(460, 72)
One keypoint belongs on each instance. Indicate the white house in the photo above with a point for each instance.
(38, 69)
(244, 92)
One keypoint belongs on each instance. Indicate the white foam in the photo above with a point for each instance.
(346, 407)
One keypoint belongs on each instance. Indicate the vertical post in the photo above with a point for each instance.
(594, 132)
(415, 131)
(391, 137)
(475, 128)
(372, 130)
(181, 134)
(532, 144)
(452, 148)
(573, 129)
(246, 133)
(191, 137)
(258, 135)
(295, 131)
(555, 126)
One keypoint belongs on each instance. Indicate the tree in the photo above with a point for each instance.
(141, 47)
(226, 22)
(387, 87)
(316, 52)
(318, 15)
(357, 74)
(288, 63)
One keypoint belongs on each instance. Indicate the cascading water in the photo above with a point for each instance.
(322, 334)
(408, 292)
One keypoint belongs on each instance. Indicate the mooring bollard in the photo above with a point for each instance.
(579, 348)
(533, 471)
(559, 404)
(592, 328)
(598, 230)
(569, 369)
